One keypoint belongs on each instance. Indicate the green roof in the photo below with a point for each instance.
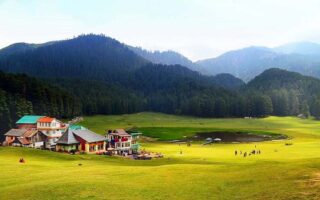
(135, 134)
(29, 119)
(77, 127)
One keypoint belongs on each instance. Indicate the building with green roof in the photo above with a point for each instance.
(29, 119)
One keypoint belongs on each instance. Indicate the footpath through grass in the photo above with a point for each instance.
(198, 172)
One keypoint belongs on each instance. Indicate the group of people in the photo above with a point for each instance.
(245, 154)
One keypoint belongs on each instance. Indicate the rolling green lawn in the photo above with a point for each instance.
(200, 172)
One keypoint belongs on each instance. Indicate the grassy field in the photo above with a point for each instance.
(200, 172)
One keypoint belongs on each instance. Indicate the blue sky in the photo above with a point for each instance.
(196, 28)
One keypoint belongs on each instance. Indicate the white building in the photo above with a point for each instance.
(52, 128)
(120, 141)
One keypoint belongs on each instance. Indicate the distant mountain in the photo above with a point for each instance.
(244, 63)
(249, 62)
(304, 48)
(166, 58)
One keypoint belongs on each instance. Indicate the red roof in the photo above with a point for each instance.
(45, 119)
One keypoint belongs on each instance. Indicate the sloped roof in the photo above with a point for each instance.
(89, 136)
(67, 138)
(23, 141)
(120, 132)
(15, 132)
(45, 119)
(29, 119)
(30, 133)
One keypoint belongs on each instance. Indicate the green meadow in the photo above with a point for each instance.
(197, 172)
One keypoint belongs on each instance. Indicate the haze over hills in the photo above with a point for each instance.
(249, 62)
(304, 48)
(246, 63)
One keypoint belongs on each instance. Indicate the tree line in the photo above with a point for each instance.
(21, 95)
(153, 90)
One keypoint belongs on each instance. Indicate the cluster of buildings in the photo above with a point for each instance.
(49, 133)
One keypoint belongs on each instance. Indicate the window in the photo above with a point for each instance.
(92, 147)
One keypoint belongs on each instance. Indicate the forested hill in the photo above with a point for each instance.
(86, 57)
(291, 93)
(90, 57)
(20, 95)
(161, 88)
(282, 79)
(228, 81)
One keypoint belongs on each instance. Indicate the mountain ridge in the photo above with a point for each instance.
(245, 63)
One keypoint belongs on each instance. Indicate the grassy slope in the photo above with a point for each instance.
(200, 172)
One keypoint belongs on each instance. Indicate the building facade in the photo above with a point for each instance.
(52, 128)
(82, 141)
(119, 141)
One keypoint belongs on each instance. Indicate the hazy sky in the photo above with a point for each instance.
(196, 28)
